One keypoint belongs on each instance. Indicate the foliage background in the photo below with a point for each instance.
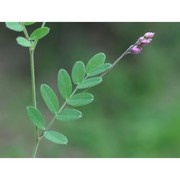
(136, 108)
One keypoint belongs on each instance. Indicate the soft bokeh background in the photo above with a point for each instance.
(136, 112)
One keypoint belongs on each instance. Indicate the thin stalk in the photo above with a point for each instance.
(62, 107)
(31, 52)
(36, 148)
(117, 60)
(33, 84)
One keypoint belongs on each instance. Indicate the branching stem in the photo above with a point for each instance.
(38, 137)
(33, 84)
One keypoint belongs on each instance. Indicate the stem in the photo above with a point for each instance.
(33, 84)
(25, 32)
(117, 60)
(62, 107)
(31, 52)
(36, 148)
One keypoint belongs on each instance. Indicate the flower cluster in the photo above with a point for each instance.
(142, 41)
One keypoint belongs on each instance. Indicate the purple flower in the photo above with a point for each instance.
(136, 50)
(143, 41)
(149, 35)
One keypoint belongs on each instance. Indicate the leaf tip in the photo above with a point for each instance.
(66, 141)
(42, 86)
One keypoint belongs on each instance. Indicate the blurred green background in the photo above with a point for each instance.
(136, 112)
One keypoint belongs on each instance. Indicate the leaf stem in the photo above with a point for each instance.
(31, 52)
(117, 60)
(25, 31)
(33, 84)
(36, 148)
(62, 107)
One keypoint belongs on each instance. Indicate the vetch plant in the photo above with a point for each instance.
(72, 87)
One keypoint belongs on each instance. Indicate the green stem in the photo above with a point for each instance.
(36, 148)
(62, 107)
(117, 60)
(33, 84)
(33, 77)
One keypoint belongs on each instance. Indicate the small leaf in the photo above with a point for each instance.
(23, 42)
(87, 83)
(15, 26)
(39, 33)
(36, 117)
(28, 23)
(68, 115)
(80, 99)
(64, 83)
(78, 72)
(50, 98)
(94, 62)
(100, 69)
(55, 137)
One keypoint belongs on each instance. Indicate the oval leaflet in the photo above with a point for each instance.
(55, 137)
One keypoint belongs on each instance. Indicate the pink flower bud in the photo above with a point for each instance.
(140, 39)
(143, 42)
(149, 35)
(135, 50)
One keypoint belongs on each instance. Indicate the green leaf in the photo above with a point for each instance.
(36, 117)
(80, 99)
(94, 62)
(64, 83)
(87, 83)
(55, 137)
(100, 69)
(50, 98)
(28, 23)
(78, 72)
(39, 33)
(15, 26)
(68, 115)
(23, 42)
